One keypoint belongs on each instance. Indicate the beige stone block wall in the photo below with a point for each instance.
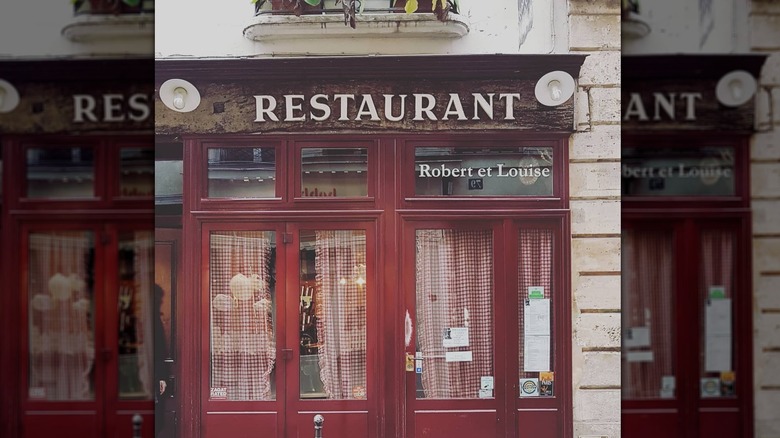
(765, 191)
(594, 190)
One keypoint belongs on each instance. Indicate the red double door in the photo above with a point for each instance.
(297, 320)
(687, 326)
(87, 327)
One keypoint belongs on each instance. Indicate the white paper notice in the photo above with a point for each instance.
(456, 337)
(637, 337)
(537, 318)
(717, 341)
(667, 386)
(536, 356)
(486, 382)
(485, 393)
(458, 356)
(639, 356)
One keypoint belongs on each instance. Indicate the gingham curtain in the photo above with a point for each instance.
(61, 337)
(454, 286)
(341, 315)
(717, 269)
(648, 301)
(536, 258)
(243, 349)
(143, 248)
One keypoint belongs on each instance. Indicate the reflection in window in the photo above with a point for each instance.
(536, 336)
(334, 172)
(678, 171)
(61, 316)
(454, 287)
(60, 172)
(168, 173)
(136, 177)
(516, 171)
(242, 299)
(648, 314)
(242, 172)
(136, 315)
(332, 314)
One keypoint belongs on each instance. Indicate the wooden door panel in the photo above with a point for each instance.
(721, 424)
(253, 424)
(337, 424)
(652, 425)
(446, 424)
(62, 425)
(539, 423)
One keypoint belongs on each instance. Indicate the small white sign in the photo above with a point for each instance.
(486, 382)
(529, 387)
(639, 356)
(37, 393)
(459, 356)
(710, 387)
(456, 337)
(637, 337)
(485, 393)
(668, 385)
(218, 393)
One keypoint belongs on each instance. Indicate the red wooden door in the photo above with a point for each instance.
(288, 315)
(87, 358)
(686, 322)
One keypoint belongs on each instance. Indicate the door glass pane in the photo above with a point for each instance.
(137, 314)
(242, 172)
(535, 311)
(60, 173)
(61, 313)
(242, 292)
(136, 176)
(332, 314)
(487, 171)
(717, 373)
(334, 172)
(659, 171)
(648, 314)
(454, 287)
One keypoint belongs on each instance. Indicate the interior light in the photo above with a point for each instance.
(554, 88)
(179, 94)
(9, 97)
(735, 88)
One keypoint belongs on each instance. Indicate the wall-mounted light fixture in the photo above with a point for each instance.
(9, 97)
(554, 88)
(179, 95)
(735, 88)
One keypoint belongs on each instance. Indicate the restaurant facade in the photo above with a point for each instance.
(398, 243)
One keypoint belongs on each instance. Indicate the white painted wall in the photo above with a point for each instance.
(676, 28)
(31, 29)
(199, 29)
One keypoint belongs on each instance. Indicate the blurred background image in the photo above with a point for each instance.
(76, 218)
(700, 150)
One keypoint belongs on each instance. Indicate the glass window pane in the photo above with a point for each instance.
(242, 304)
(667, 171)
(61, 316)
(648, 364)
(60, 172)
(454, 287)
(137, 315)
(136, 177)
(535, 311)
(491, 171)
(242, 172)
(334, 172)
(717, 376)
(332, 314)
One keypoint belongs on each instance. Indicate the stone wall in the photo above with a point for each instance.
(765, 189)
(594, 166)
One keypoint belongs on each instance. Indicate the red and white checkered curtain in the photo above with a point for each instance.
(143, 248)
(535, 269)
(648, 301)
(243, 349)
(61, 337)
(454, 286)
(340, 260)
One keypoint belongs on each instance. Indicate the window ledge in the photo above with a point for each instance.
(267, 27)
(88, 28)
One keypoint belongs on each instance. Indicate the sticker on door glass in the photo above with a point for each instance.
(529, 387)
(710, 387)
(359, 392)
(458, 356)
(456, 337)
(535, 292)
(546, 380)
(218, 393)
(668, 385)
(727, 379)
(37, 393)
